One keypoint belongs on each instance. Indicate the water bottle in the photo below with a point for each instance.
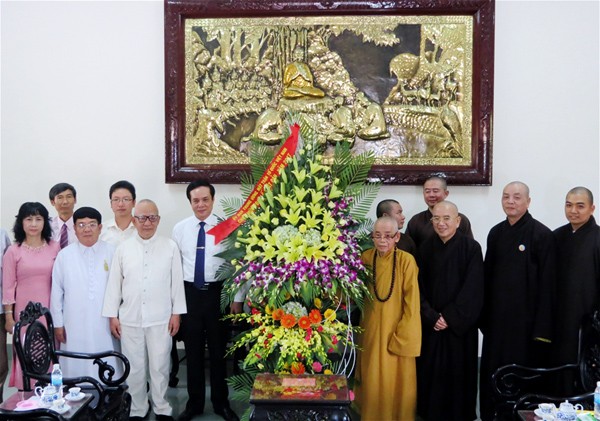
(597, 401)
(56, 378)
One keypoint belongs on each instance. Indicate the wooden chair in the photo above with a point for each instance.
(34, 345)
(515, 385)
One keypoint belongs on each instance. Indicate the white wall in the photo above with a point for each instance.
(82, 100)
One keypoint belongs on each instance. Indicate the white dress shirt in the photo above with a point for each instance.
(56, 224)
(112, 234)
(185, 234)
(145, 285)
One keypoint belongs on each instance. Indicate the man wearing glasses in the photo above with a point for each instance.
(79, 280)
(122, 201)
(144, 300)
(386, 369)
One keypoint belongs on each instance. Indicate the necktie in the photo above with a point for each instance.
(199, 268)
(64, 237)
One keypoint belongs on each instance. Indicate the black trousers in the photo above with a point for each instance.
(200, 326)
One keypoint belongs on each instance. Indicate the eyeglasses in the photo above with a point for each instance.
(438, 219)
(386, 237)
(121, 199)
(144, 218)
(90, 225)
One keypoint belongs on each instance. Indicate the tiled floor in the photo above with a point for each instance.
(178, 398)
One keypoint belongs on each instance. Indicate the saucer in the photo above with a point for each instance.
(75, 398)
(538, 412)
(60, 411)
(27, 405)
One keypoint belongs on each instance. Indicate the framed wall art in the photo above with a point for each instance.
(409, 80)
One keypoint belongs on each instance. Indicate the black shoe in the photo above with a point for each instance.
(164, 417)
(227, 414)
(188, 414)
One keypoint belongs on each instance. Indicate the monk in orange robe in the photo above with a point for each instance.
(386, 378)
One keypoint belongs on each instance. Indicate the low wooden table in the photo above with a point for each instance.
(528, 415)
(76, 406)
(300, 398)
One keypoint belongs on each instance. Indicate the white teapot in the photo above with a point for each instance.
(567, 411)
(47, 394)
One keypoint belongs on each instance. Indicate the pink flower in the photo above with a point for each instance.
(317, 367)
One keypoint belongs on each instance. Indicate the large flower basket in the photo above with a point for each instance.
(294, 249)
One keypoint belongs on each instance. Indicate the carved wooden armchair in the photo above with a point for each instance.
(515, 385)
(34, 345)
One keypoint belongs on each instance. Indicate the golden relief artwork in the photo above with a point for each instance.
(399, 86)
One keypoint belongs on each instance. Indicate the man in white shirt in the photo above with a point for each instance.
(122, 202)
(79, 279)
(203, 324)
(144, 300)
(63, 197)
(4, 244)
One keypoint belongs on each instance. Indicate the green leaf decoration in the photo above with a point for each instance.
(246, 184)
(364, 196)
(260, 156)
(231, 205)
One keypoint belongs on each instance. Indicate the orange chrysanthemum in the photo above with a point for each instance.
(298, 368)
(315, 316)
(304, 322)
(288, 321)
(278, 314)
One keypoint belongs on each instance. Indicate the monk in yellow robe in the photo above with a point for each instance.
(386, 378)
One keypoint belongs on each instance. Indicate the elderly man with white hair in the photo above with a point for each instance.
(144, 300)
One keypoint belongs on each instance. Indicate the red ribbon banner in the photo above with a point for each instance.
(279, 162)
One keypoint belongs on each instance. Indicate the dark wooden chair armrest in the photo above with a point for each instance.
(510, 380)
(105, 370)
(40, 414)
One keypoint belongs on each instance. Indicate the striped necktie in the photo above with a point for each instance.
(64, 237)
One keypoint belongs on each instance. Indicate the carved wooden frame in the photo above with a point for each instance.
(177, 11)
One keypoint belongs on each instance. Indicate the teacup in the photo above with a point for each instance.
(59, 404)
(547, 408)
(74, 392)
